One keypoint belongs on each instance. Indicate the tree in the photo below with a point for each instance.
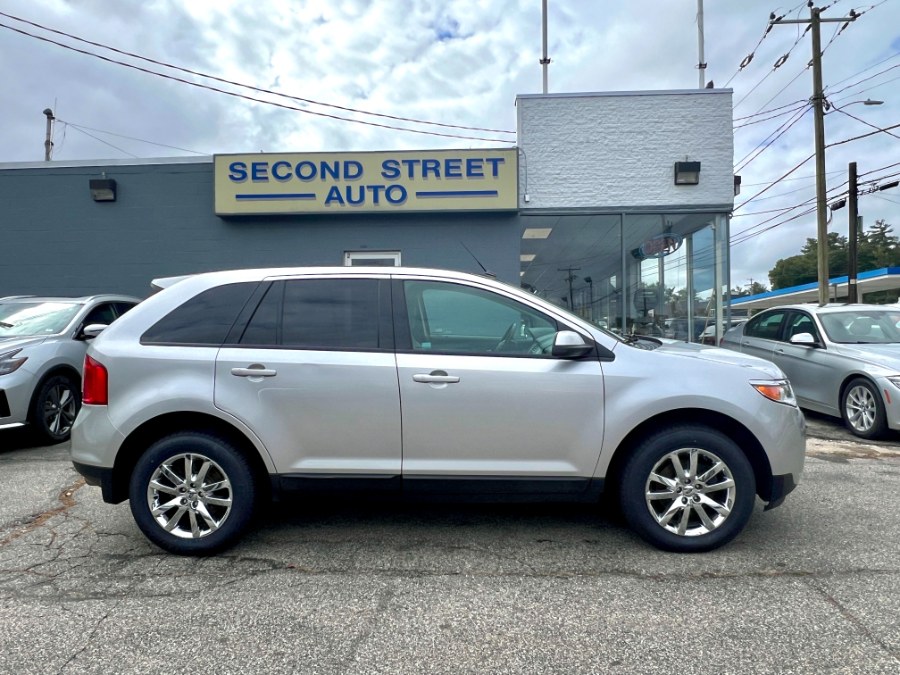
(878, 247)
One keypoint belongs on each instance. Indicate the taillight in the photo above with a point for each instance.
(95, 384)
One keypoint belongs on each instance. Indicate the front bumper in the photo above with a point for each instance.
(779, 488)
(15, 397)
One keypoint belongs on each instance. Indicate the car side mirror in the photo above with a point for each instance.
(91, 331)
(567, 344)
(804, 339)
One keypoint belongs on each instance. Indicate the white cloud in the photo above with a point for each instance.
(453, 61)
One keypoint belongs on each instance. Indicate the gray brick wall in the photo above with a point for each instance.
(616, 150)
(54, 239)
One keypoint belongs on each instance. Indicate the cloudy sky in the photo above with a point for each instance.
(456, 62)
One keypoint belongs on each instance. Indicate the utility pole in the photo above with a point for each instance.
(570, 278)
(48, 142)
(818, 99)
(701, 65)
(545, 60)
(853, 236)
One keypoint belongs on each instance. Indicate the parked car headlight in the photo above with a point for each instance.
(9, 362)
(894, 380)
(779, 391)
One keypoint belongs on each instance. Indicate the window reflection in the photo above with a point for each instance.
(649, 273)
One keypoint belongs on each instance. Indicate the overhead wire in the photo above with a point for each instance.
(771, 138)
(868, 124)
(252, 98)
(767, 119)
(81, 127)
(261, 90)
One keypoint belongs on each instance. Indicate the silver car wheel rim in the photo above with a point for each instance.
(690, 492)
(59, 410)
(189, 496)
(861, 408)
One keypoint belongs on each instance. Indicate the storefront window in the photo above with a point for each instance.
(652, 273)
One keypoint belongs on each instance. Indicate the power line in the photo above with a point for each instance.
(865, 79)
(251, 98)
(239, 84)
(778, 63)
(766, 143)
(868, 124)
(80, 127)
(766, 119)
(766, 112)
(874, 65)
(102, 141)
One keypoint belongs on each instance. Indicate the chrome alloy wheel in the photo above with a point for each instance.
(861, 408)
(189, 495)
(60, 409)
(690, 492)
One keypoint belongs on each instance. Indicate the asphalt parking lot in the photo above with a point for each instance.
(809, 587)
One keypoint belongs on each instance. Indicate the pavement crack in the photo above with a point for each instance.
(24, 526)
(853, 619)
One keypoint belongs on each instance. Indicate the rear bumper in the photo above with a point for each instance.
(99, 476)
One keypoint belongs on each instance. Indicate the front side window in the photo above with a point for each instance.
(453, 318)
(766, 326)
(800, 323)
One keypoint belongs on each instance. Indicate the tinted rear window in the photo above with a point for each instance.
(331, 314)
(205, 319)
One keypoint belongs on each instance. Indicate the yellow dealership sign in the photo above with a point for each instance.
(369, 182)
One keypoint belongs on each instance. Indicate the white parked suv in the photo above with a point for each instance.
(229, 388)
(42, 345)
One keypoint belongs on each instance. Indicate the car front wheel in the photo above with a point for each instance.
(863, 409)
(55, 408)
(688, 489)
(192, 494)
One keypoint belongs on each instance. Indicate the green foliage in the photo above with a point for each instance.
(878, 247)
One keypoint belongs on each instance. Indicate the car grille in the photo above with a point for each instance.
(4, 405)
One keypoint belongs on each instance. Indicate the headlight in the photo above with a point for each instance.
(9, 362)
(779, 391)
(895, 380)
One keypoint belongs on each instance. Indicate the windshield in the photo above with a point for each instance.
(20, 319)
(862, 326)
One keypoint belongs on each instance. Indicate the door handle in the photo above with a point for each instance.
(437, 377)
(256, 370)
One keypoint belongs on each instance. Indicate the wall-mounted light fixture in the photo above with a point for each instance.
(103, 189)
(737, 185)
(687, 173)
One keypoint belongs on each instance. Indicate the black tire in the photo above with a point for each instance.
(192, 533)
(54, 408)
(705, 514)
(863, 409)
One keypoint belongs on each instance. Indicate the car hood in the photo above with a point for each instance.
(706, 354)
(9, 343)
(886, 356)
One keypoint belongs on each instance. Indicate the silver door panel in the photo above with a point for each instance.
(504, 416)
(321, 411)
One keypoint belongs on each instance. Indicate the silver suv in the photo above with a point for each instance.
(42, 346)
(229, 388)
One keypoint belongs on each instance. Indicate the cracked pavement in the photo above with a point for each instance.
(809, 587)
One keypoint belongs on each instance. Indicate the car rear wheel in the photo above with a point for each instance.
(688, 489)
(863, 410)
(55, 408)
(192, 494)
